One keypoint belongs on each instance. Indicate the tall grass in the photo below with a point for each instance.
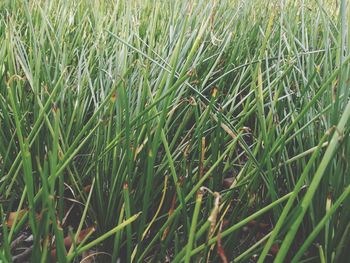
(156, 131)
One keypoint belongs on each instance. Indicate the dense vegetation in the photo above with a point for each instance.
(156, 131)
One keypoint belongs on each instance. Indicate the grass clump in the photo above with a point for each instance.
(156, 131)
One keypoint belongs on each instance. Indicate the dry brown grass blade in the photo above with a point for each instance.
(220, 249)
(214, 214)
(171, 211)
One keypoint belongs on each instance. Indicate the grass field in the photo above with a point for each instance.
(174, 131)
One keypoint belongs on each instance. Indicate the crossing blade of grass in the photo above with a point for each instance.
(118, 235)
(128, 215)
(106, 235)
(76, 236)
(27, 162)
(320, 225)
(193, 226)
(330, 151)
(288, 206)
(187, 198)
(234, 227)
